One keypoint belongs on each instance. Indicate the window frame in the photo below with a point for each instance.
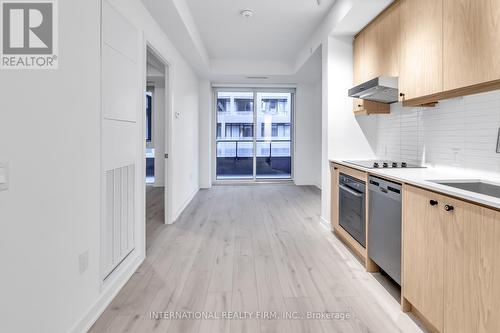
(254, 90)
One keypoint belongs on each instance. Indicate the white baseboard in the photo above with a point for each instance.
(307, 183)
(108, 294)
(325, 223)
(185, 204)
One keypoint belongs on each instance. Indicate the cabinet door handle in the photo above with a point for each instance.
(401, 95)
(449, 208)
(433, 203)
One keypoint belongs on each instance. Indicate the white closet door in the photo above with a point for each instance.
(121, 109)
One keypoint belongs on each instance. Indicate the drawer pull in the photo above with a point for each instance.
(449, 208)
(433, 203)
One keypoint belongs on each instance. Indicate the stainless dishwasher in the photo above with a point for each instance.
(384, 226)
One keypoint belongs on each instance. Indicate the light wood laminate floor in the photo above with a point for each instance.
(155, 214)
(255, 249)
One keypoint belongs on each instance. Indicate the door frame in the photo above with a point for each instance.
(168, 137)
(254, 90)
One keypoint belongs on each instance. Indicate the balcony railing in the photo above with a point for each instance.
(235, 158)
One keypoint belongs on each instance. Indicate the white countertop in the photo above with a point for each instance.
(423, 177)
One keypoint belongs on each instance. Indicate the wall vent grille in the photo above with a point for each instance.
(118, 222)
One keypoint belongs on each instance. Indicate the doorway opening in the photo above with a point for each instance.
(156, 97)
(150, 150)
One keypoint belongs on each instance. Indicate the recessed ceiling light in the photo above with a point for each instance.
(247, 13)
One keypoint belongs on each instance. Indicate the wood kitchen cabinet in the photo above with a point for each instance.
(364, 107)
(376, 53)
(423, 253)
(381, 44)
(376, 48)
(358, 59)
(358, 66)
(334, 207)
(421, 59)
(451, 274)
(472, 269)
(439, 49)
(471, 47)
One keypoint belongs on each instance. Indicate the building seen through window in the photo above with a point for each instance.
(245, 132)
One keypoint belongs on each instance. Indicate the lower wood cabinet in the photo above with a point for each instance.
(423, 253)
(451, 262)
(472, 269)
(334, 209)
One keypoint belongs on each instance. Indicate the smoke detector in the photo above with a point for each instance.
(247, 13)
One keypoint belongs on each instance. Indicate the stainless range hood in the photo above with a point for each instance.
(383, 89)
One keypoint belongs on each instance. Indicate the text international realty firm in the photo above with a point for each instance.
(245, 315)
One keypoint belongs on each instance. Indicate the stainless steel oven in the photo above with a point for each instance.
(352, 215)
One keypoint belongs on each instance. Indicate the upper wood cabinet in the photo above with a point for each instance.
(358, 58)
(421, 62)
(364, 107)
(440, 49)
(376, 48)
(471, 51)
(381, 45)
(376, 53)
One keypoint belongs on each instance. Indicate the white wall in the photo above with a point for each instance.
(461, 133)
(206, 139)
(343, 135)
(184, 87)
(307, 144)
(50, 135)
(50, 129)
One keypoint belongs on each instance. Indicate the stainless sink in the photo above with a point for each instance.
(476, 186)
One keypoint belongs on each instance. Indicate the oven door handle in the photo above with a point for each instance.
(347, 189)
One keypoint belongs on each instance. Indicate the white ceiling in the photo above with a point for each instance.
(280, 42)
(277, 31)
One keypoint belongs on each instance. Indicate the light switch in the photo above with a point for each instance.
(4, 176)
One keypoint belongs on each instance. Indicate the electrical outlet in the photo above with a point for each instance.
(498, 141)
(83, 260)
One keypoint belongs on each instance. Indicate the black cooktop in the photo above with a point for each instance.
(383, 164)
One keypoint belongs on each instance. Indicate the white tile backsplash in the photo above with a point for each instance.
(460, 132)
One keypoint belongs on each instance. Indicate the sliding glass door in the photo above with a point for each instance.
(235, 135)
(253, 134)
